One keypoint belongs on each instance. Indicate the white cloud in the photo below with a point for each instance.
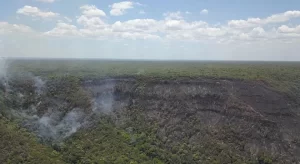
(175, 27)
(36, 12)
(283, 17)
(258, 33)
(91, 22)
(139, 4)
(174, 24)
(91, 11)
(46, 1)
(136, 35)
(210, 31)
(120, 8)
(6, 28)
(287, 29)
(104, 33)
(132, 29)
(173, 15)
(183, 25)
(204, 11)
(94, 27)
(91, 17)
(63, 29)
(136, 25)
(205, 33)
(136, 29)
(253, 22)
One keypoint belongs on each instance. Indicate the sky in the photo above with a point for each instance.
(151, 29)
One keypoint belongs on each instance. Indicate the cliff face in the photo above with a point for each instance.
(184, 120)
(244, 118)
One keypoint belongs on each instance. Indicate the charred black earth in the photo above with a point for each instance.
(183, 120)
(244, 117)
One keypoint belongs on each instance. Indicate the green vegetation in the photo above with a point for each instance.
(68, 88)
(104, 143)
(19, 146)
(285, 76)
(135, 140)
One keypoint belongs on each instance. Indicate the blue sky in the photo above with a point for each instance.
(151, 29)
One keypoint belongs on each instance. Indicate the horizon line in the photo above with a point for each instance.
(120, 59)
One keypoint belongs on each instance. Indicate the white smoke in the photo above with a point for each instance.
(3, 68)
(104, 103)
(55, 125)
(3, 72)
(103, 97)
(39, 85)
(51, 127)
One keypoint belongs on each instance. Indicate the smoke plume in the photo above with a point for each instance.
(58, 121)
(3, 70)
(51, 127)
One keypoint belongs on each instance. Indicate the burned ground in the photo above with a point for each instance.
(146, 120)
(231, 119)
